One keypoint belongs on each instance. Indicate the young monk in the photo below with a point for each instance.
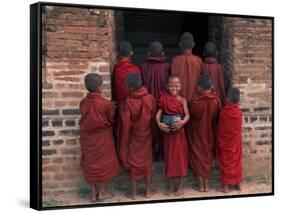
(155, 74)
(171, 117)
(229, 143)
(98, 160)
(187, 66)
(121, 69)
(203, 108)
(215, 70)
(136, 122)
(156, 70)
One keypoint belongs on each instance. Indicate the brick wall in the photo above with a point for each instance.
(75, 42)
(246, 52)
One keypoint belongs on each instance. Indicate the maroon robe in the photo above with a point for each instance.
(215, 70)
(99, 162)
(120, 71)
(203, 110)
(137, 114)
(175, 144)
(188, 67)
(229, 144)
(155, 74)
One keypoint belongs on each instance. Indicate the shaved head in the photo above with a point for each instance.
(187, 41)
(155, 48)
(92, 82)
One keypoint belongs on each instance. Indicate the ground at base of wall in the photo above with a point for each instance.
(82, 195)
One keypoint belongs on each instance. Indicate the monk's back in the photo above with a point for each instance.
(155, 74)
(142, 113)
(204, 106)
(188, 67)
(96, 112)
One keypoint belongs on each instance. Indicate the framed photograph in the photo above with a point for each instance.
(137, 106)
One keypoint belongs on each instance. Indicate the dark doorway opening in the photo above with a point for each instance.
(142, 27)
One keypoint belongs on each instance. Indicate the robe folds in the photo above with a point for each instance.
(229, 144)
(120, 71)
(99, 161)
(175, 143)
(137, 115)
(155, 74)
(215, 70)
(188, 67)
(203, 110)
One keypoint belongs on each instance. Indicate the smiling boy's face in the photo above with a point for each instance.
(174, 86)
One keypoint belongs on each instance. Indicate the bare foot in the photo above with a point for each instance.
(179, 192)
(223, 189)
(207, 188)
(104, 196)
(149, 194)
(131, 196)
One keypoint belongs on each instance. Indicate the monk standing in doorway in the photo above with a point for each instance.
(215, 70)
(187, 66)
(155, 74)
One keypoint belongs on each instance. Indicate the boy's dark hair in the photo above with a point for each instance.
(155, 48)
(234, 95)
(205, 82)
(186, 41)
(134, 81)
(92, 82)
(124, 48)
(210, 49)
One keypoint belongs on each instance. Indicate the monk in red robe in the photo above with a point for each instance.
(171, 117)
(215, 70)
(229, 143)
(155, 74)
(136, 122)
(203, 108)
(187, 66)
(99, 161)
(121, 69)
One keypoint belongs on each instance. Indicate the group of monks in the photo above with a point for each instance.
(181, 107)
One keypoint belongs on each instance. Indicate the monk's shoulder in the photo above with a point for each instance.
(150, 98)
(182, 99)
(104, 102)
(198, 59)
(177, 58)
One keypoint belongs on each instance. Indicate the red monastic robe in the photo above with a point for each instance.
(229, 144)
(120, 71)
(98, 160)
(188, 67)
(155, 74)
(175, 144)
(137, 114)
(203, 110)
(215, 70)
